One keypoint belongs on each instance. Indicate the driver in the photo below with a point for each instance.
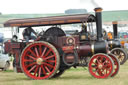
(84, 31)
(29, 34)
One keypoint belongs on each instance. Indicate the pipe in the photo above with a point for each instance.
(98, 14)
(115, 29)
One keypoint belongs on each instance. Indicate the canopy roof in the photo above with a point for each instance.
(54, 20)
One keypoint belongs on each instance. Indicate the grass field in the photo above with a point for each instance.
(79, 76)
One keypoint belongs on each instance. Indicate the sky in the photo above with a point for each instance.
(58, 6)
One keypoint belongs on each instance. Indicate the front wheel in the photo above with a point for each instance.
(40, 60)
(120, 54)
(116, 64)
(100, 66)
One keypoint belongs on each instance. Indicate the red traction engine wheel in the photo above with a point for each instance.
(101, 66)
(116, 64)
(40, 60)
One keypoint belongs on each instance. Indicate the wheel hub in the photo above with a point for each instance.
(39, 61)
(100, 66)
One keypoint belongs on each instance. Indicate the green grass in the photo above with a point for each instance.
(72, 76)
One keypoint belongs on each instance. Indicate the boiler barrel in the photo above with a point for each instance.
(88, 49)
(114, 44)
(100, 47)
(85, 50)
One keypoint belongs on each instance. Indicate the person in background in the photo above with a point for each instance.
(105, 36)
(110, 36)
(126, 46)
(14, 38)
(29, 34)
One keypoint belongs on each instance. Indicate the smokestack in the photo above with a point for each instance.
(115, 29)
(98, 14)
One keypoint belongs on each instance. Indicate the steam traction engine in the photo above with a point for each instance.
(115, 46)
(54, 52)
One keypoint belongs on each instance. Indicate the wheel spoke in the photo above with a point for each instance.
(44, 51)
(48, 64)
(32, 52)
(115, 53)
(103, 70)
(104, 62)
(31, 64)
(32, 68)
(39, 72)
(36, 52)
(119, 52)
(100, 73)
(49, 57)
(28, 60)
(36, 70)
(47, 69)
(97, 60)
(101, 58)
(96, 71)
(47, 53)
(52, 61)
(31, 57)
(43, 70)
(107, 65)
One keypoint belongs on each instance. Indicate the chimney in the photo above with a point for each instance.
(98, 14)
(115, 29)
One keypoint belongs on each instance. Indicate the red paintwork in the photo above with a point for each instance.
(96, 61)
(68, 48)
(48, 65)
(116, 65)
(84, 49)
(7, 47)
(15, 48)
(41, 61)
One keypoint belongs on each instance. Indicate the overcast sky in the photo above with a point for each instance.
(58, 6)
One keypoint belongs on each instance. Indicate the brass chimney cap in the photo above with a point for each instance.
(98, 9)
(114, 22)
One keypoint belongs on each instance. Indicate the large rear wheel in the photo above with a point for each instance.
(100, 66)
(40, 60)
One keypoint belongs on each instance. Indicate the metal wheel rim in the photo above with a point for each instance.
(106, 69)
(120, 54)
(116, 65)
(42, 58)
